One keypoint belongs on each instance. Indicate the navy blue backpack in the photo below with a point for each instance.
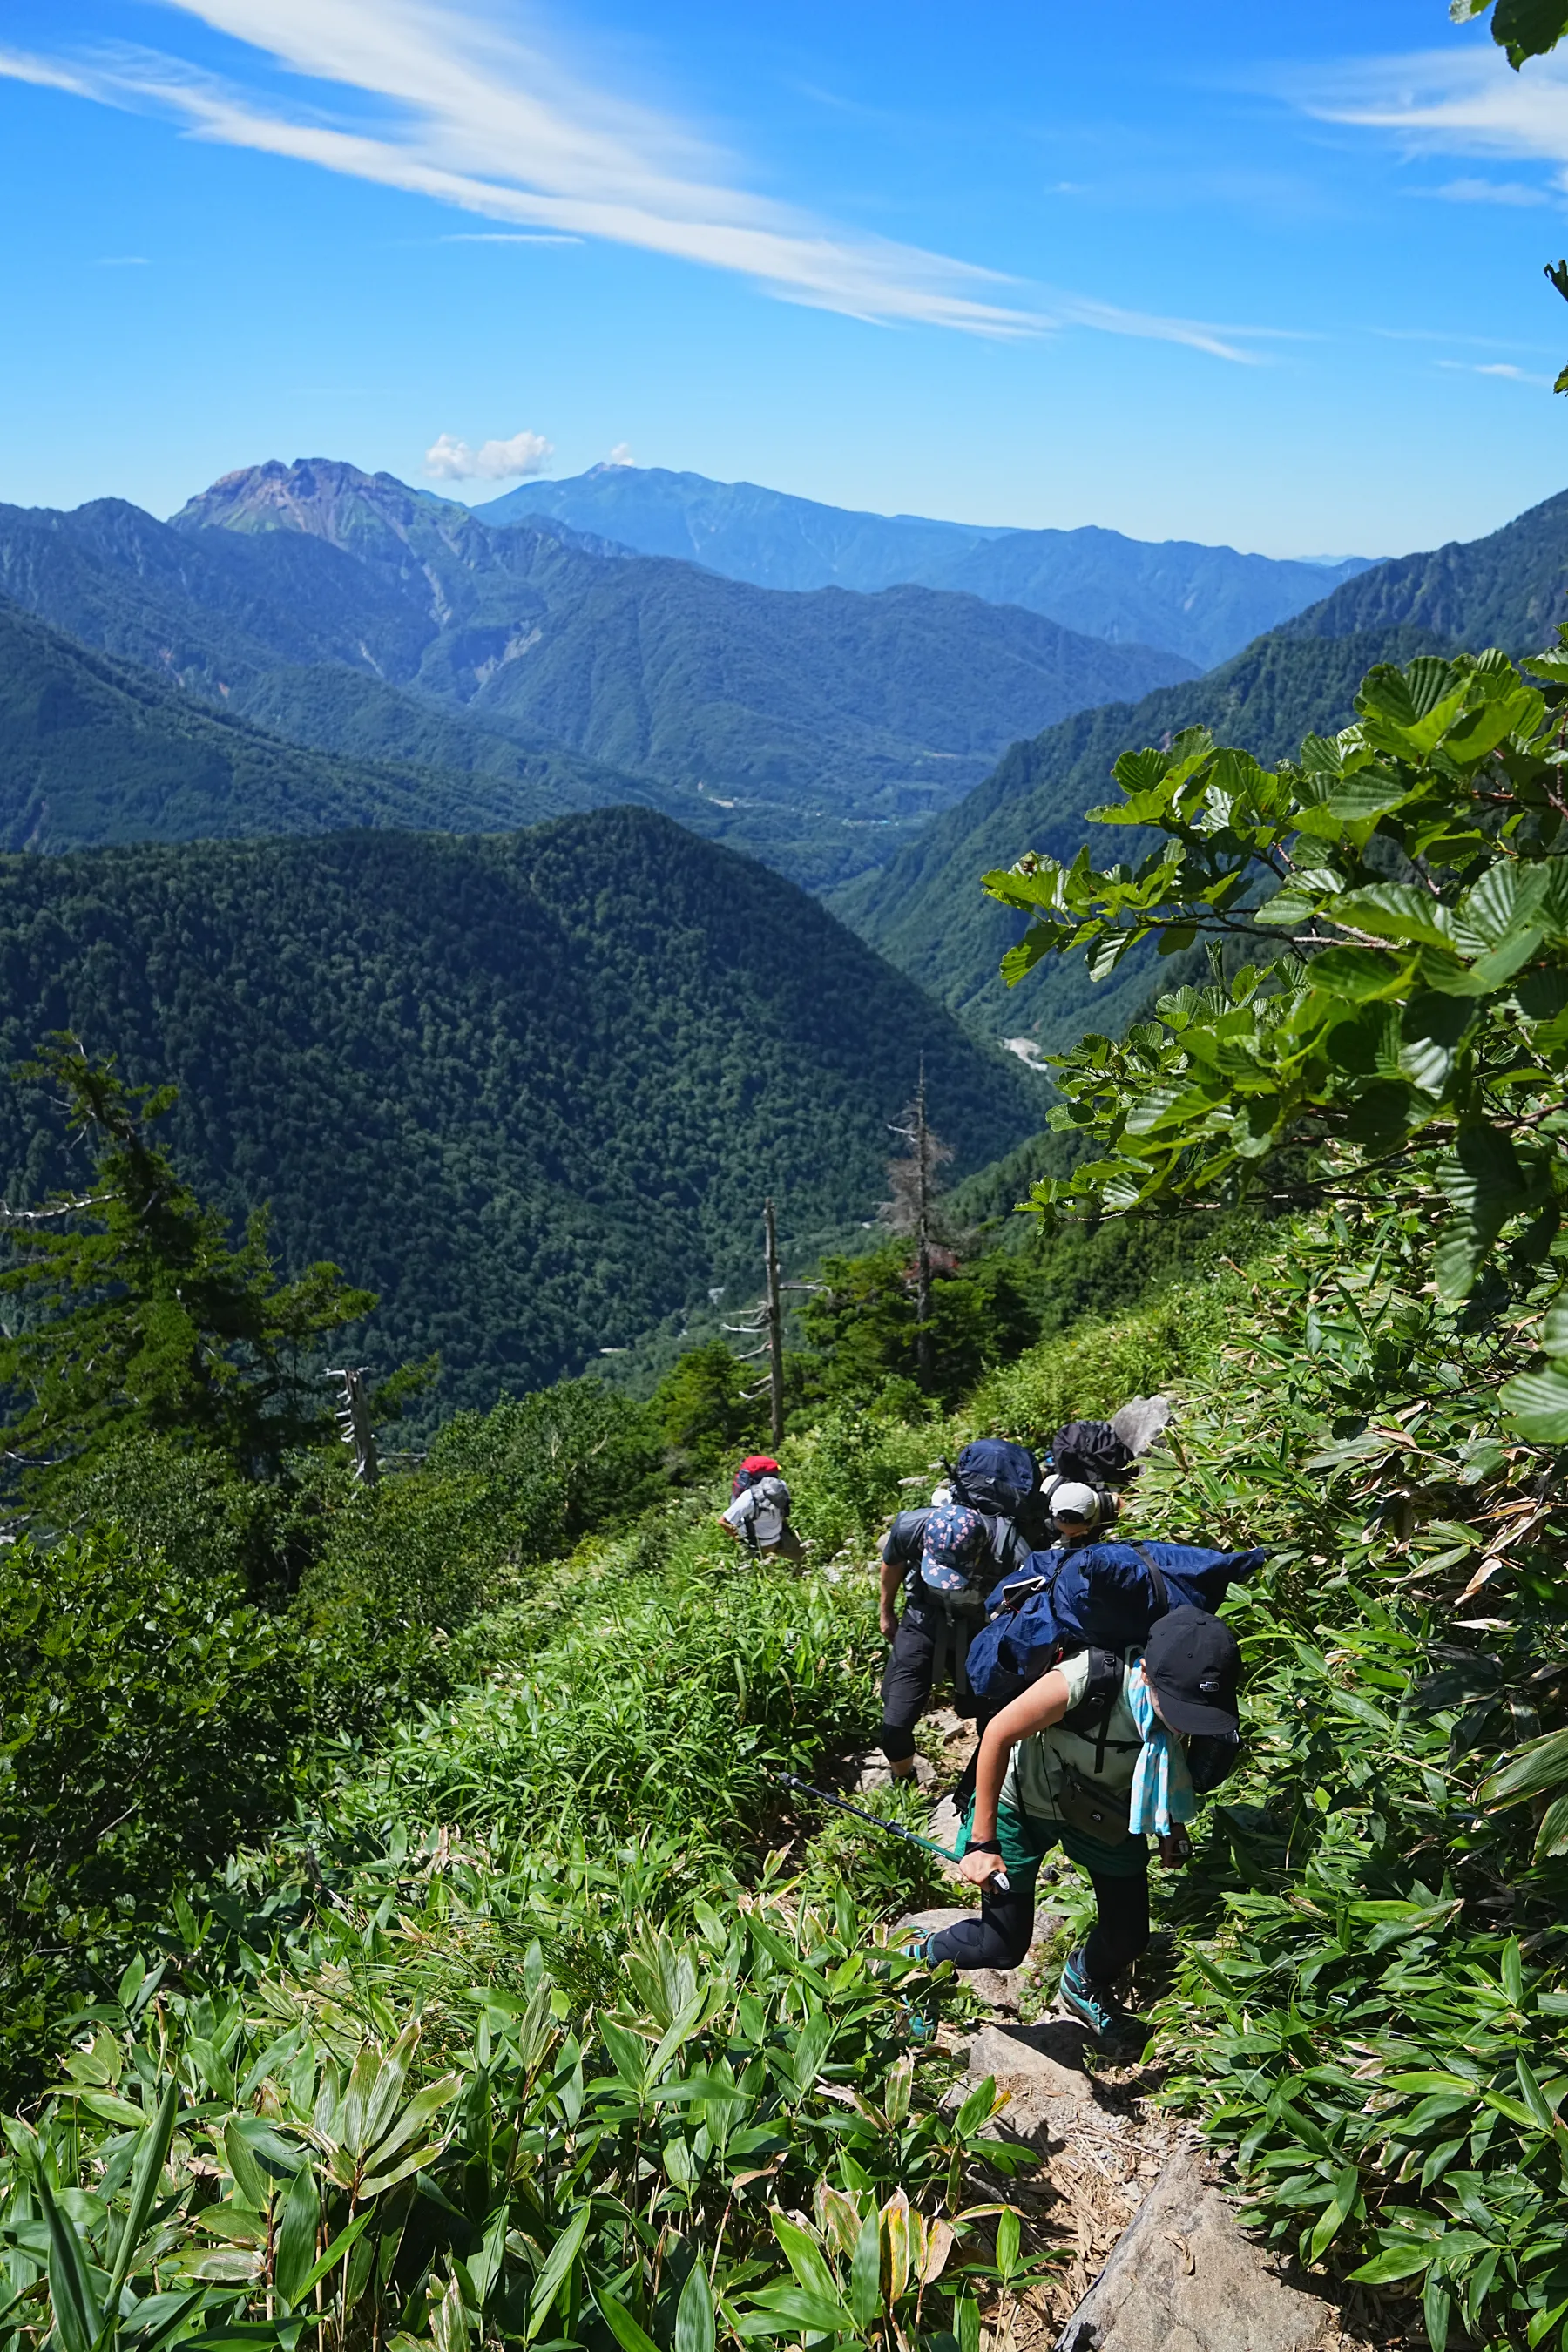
(1101, 1596)
(995, 1475)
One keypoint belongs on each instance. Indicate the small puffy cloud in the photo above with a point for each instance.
(449, 461)
(621, 454)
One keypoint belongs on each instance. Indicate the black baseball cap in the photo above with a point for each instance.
(1194, 1668)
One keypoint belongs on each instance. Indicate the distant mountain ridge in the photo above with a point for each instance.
(1204, 603)
(348, 612)
(925, 909)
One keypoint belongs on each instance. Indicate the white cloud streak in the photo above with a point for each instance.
(1488, 192)
(1504, 368)
(517, 459)
(505, 236)
(464, 113)
(1458, 101)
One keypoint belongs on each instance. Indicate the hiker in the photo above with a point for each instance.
(948, 1558)
(1078, 1511)
(1093, 1756)
(758, 1511)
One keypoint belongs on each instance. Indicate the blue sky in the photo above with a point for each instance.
(1272, 278)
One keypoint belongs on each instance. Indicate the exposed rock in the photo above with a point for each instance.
(1184, 2277)
(1140, 1421)
(928, 1922)
(1039, 2066)
(874, 1774)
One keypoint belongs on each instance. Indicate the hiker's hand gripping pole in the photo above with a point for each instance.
(894, 1829)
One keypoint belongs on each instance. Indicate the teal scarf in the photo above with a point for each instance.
(1163, 1791)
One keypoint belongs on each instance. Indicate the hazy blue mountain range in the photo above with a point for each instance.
(813, 730)
(1204, 603)
(533, 1087)
(925, 909)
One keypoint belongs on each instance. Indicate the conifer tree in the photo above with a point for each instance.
(128, 1311)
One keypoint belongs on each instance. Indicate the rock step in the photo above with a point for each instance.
(1184, 2276)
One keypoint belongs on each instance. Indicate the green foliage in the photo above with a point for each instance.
(152, 1720)
(531, 1091)
(418, 1558)
(628, 2176)
(1403, 885)
(702, 1409)
(847, 1472)
(1525, 28)
(1368, 2014)
(921, 908)
(864, 1326)
(1088, 1371)
(153, 1326)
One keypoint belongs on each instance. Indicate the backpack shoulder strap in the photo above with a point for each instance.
(1157, 1580)
(1091, 1718)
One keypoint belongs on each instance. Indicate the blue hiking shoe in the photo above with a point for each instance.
(1079, 1996)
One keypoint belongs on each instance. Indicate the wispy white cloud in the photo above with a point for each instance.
(1503, 368)
(444, 102)
(506, 236)
(517, 459)
(1487, 191)
(1457, 101)
(621, 454)
(124, 262)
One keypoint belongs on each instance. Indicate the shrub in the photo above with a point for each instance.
(152, 1720)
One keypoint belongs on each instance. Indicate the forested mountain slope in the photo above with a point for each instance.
(292, 634)
(532, 1089)
(925, 909)
(1509, 589)
(1205, 603)
(94, 749)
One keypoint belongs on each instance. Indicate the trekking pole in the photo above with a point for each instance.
(894, 1829)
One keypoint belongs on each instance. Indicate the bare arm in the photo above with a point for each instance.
(892, 1576)
(1036, 1709)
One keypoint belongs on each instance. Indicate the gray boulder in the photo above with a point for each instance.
(1184, 2277)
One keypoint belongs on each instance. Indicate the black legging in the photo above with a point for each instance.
(906, 1691)
(1000, 1937)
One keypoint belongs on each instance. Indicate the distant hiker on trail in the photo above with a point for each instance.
(1096, 1755)
(947, 1559)
(758, 1512)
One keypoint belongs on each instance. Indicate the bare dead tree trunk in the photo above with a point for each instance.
(775, 1328)
(923, 1351)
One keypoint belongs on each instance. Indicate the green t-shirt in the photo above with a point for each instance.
(1036, 1773)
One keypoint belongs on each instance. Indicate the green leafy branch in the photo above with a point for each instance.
(1402, 893)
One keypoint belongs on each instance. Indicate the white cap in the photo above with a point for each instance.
(1078, 1502)
(940, 1495)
